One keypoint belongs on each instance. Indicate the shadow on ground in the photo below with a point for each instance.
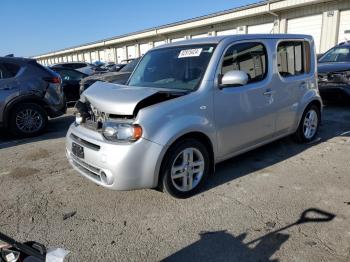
(223, 246)
(56, 128)
(335, 123)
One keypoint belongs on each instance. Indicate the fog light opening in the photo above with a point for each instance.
(104, 177)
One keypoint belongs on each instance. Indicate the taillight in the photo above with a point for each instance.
(53, 80)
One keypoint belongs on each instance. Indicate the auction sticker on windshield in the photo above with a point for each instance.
(190, 52)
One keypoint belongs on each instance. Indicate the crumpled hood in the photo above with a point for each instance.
(116, 99)
(332, 67)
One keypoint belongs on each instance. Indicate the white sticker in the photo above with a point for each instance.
(190, 52)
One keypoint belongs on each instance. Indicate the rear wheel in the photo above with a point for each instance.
(28, 120)
(309, 125)
(185, 168)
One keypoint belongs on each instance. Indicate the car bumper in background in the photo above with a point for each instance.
(334, 90)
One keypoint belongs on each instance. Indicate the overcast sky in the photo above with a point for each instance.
(37, 26)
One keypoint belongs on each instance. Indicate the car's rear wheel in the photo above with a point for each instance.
(28, 120)
(185, 168)
(309, 125)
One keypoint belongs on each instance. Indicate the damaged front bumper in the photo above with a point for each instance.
(118, 166)
(334, 90)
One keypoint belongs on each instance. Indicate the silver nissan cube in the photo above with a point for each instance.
(191, 104)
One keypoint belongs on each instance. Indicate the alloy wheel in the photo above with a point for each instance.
(29, 120)
(187, 169)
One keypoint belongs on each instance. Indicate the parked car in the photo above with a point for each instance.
(114, 67)
(334, 73)
(70, 82)
(83, 67)
(29, 93)
(112, 77)
(192, 104)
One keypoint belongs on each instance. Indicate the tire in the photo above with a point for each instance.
(28, 120)
(310, 121)
(179, 168)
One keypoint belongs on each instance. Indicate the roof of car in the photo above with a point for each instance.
(217, 39)
(15, 59)
(347, 44)
(68, 63)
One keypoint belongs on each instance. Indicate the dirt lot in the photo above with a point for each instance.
(235, 218)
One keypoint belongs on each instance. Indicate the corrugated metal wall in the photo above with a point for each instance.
(327, 21)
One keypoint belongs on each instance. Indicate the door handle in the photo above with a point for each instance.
(268, 92)
(303, 85)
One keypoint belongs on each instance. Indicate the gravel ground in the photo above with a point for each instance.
(237, 217)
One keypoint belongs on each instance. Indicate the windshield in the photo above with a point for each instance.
(179, 67)
(337, 54)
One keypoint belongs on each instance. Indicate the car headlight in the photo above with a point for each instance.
(78, 119)
(119, 132)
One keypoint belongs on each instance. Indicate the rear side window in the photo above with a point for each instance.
(8, 70)
(248, 57)
(69, 75)
(293, 58)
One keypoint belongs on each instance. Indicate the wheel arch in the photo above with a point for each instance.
(10, 106)
(197, 135)
(317, 103)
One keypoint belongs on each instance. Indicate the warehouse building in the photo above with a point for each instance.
(328, 21)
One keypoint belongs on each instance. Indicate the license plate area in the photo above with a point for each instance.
(77, 150)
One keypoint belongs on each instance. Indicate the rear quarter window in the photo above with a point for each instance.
(8, 70)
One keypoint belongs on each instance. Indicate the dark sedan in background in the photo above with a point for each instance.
(70, 82)
(334, 73)
(119, 77)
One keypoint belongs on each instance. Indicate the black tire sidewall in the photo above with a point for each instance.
(172, 153)
(16, 131)
(300, 136)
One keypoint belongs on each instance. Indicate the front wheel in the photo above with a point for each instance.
(28, 120)
(309, 125)
(185, 168)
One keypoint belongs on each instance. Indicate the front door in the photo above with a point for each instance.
(244, 115)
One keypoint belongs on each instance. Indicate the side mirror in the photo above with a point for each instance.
(234, 78)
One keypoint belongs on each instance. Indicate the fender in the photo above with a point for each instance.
(308, 98)
(176, 129)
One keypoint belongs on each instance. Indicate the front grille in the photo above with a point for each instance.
(84, 142)
(86, 168)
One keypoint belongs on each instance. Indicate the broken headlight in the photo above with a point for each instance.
(121, 132)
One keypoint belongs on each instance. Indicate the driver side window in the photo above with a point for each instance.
(250, 58)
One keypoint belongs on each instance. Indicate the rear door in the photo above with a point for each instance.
(244, 115)
(294, 76)
(9, 87)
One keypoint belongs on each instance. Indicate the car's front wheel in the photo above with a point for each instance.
(309, 125)
(28, 120)
(185, 168)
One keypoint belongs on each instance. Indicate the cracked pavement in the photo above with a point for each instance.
(248, 198)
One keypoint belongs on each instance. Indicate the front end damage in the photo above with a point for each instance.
(105, 144)
(334, 85)
(105, 102)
